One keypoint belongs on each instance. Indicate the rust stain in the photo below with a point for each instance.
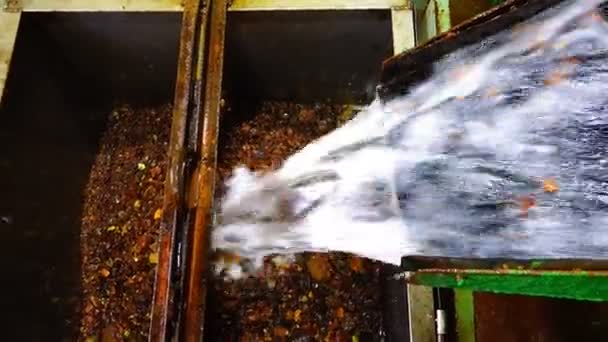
(193, 187)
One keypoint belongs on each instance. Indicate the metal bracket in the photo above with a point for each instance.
(12, 6)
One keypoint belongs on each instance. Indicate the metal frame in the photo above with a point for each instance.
(178, 5)
(558, 278)
(402, 15)
(95, 5)
(289, 5)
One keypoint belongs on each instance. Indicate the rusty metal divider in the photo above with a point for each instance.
(203, 180)
(166, 307)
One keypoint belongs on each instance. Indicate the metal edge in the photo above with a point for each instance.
(9, 26)
(163, 309)
(294, 5)
(103, 5)
(179, 5)
(198, 244)
(496, 265)
(577, 286)
(511, 272)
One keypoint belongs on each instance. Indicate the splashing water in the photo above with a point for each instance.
(502, 153)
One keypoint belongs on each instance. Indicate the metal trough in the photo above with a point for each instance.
(68, 73)
(276, 53)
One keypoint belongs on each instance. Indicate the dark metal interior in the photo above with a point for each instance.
(307, 56)
(310, 57)
(68, 70)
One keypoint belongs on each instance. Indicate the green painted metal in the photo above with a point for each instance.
(464, 303)
(420, 4)
(558, 284)
(426, 23)
(444, 20)
(560, 278)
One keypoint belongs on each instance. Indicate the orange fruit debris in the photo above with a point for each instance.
(525, 203)
(318, 267)
(550, 185)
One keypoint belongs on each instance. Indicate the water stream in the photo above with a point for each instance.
(502, 153)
